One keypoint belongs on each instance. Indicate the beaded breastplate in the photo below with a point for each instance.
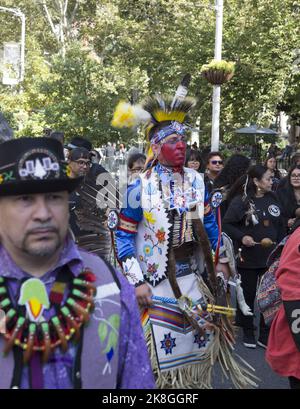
(31, 332)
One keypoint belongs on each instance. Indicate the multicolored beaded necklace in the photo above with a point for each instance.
(45, 336)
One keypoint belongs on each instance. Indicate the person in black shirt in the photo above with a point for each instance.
(79, 166)
(289, 197)
(251, 217)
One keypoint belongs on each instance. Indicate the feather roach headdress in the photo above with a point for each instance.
(160, 116)
(154, 110)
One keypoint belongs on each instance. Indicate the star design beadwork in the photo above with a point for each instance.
(201, 340)
(168, 343)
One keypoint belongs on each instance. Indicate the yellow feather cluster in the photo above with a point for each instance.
(178, 116)
(124, 116)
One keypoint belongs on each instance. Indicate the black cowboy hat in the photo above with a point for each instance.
(34, 165)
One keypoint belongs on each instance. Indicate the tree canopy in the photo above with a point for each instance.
(83, 56)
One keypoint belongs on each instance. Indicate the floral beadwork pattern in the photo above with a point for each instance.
(132, 271)
(148, 250)
(154, 241)
(152, 268)
(161, 235)
(149, 217)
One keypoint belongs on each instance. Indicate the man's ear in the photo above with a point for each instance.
(155, 149)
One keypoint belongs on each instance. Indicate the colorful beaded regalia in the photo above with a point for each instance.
(164, 240)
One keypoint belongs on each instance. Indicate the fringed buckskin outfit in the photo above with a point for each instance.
(158, 233)
(161, 242)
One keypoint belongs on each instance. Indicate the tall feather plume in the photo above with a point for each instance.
(155, 109)
(181, 91)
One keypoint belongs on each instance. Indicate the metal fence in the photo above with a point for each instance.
(284, 163)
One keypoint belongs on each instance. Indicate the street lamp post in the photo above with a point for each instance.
(216, 99)
(21, 15)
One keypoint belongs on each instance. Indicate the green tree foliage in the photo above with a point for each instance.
(125, 49)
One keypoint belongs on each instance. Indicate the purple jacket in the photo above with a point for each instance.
(127, 368)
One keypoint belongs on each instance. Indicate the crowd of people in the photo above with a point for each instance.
(258, 202)
(109, 286)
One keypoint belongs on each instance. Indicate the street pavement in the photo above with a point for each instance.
(255, 358)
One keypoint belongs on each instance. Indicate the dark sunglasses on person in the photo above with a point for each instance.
(216, 162)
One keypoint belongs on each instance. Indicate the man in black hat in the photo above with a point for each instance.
(48, 287)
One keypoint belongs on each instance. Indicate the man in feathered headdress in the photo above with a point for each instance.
(164, 238)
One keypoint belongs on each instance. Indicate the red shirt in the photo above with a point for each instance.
(282, 353)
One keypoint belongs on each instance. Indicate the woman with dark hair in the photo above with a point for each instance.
(271, 164)
(295, 160)
(251, 217)
(235, 167)
(289, 197)
(194, 160)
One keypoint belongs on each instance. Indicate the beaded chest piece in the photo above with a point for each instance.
(28, 329)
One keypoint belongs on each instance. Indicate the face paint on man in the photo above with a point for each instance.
(173, 150)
